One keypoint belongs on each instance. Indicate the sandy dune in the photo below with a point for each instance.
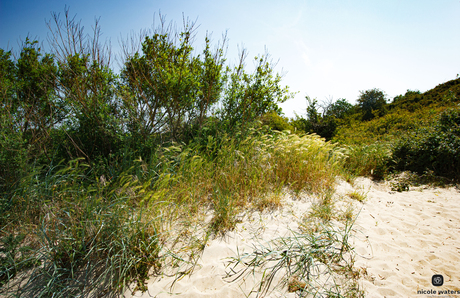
(401, 239)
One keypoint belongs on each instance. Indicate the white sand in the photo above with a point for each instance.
(406, 237)
(402, 239)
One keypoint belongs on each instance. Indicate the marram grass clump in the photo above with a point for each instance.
(87, 237)
(312, 264)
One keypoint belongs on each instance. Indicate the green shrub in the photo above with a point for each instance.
(436, 148)
(275, 122)
(13, 155)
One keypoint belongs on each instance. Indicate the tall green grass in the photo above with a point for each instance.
(71, 233)
(87, 236)
(368, 160)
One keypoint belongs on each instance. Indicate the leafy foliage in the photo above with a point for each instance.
(417, 132)
(249, 96)
(432, 149)
(326, 123)
(372, 102)
(442, 95)
(29, 110)
(176, 130)
(276, 122)
(167, 87)
(339, 109)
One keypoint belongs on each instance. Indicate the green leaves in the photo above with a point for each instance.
(371, 102)
(168, 87)
(35, 89)
(434, 149)
(29, 108)
(248, 96)
(70, 104)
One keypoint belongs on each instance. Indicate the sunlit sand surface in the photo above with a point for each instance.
(407, 237)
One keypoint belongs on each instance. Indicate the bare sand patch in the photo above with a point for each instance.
(404, 238)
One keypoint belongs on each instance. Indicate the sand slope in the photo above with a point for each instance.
(401, 239)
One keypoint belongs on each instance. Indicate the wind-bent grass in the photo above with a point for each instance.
(358, 196)
(97, 235)
(89, 238)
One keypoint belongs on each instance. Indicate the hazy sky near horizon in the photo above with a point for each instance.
(328, 49)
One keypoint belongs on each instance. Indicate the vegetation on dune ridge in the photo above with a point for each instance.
(104, 175)
(117, 230)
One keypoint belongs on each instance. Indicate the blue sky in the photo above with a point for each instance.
(328, 49)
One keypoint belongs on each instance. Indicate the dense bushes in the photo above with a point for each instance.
(443, 94)
(276, 122)
(372, 103)
(323, 123)
(70, 104)
(417, 132)
(435, 148)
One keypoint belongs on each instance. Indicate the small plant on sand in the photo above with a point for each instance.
(324, 209)
(319, 264)
(402, 181)
(358, 196)
(399, 186)
(346, 215)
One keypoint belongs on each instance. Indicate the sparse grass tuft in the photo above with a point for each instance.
(349, 214)
(319, 264)
(358, 196)
(324, 209)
